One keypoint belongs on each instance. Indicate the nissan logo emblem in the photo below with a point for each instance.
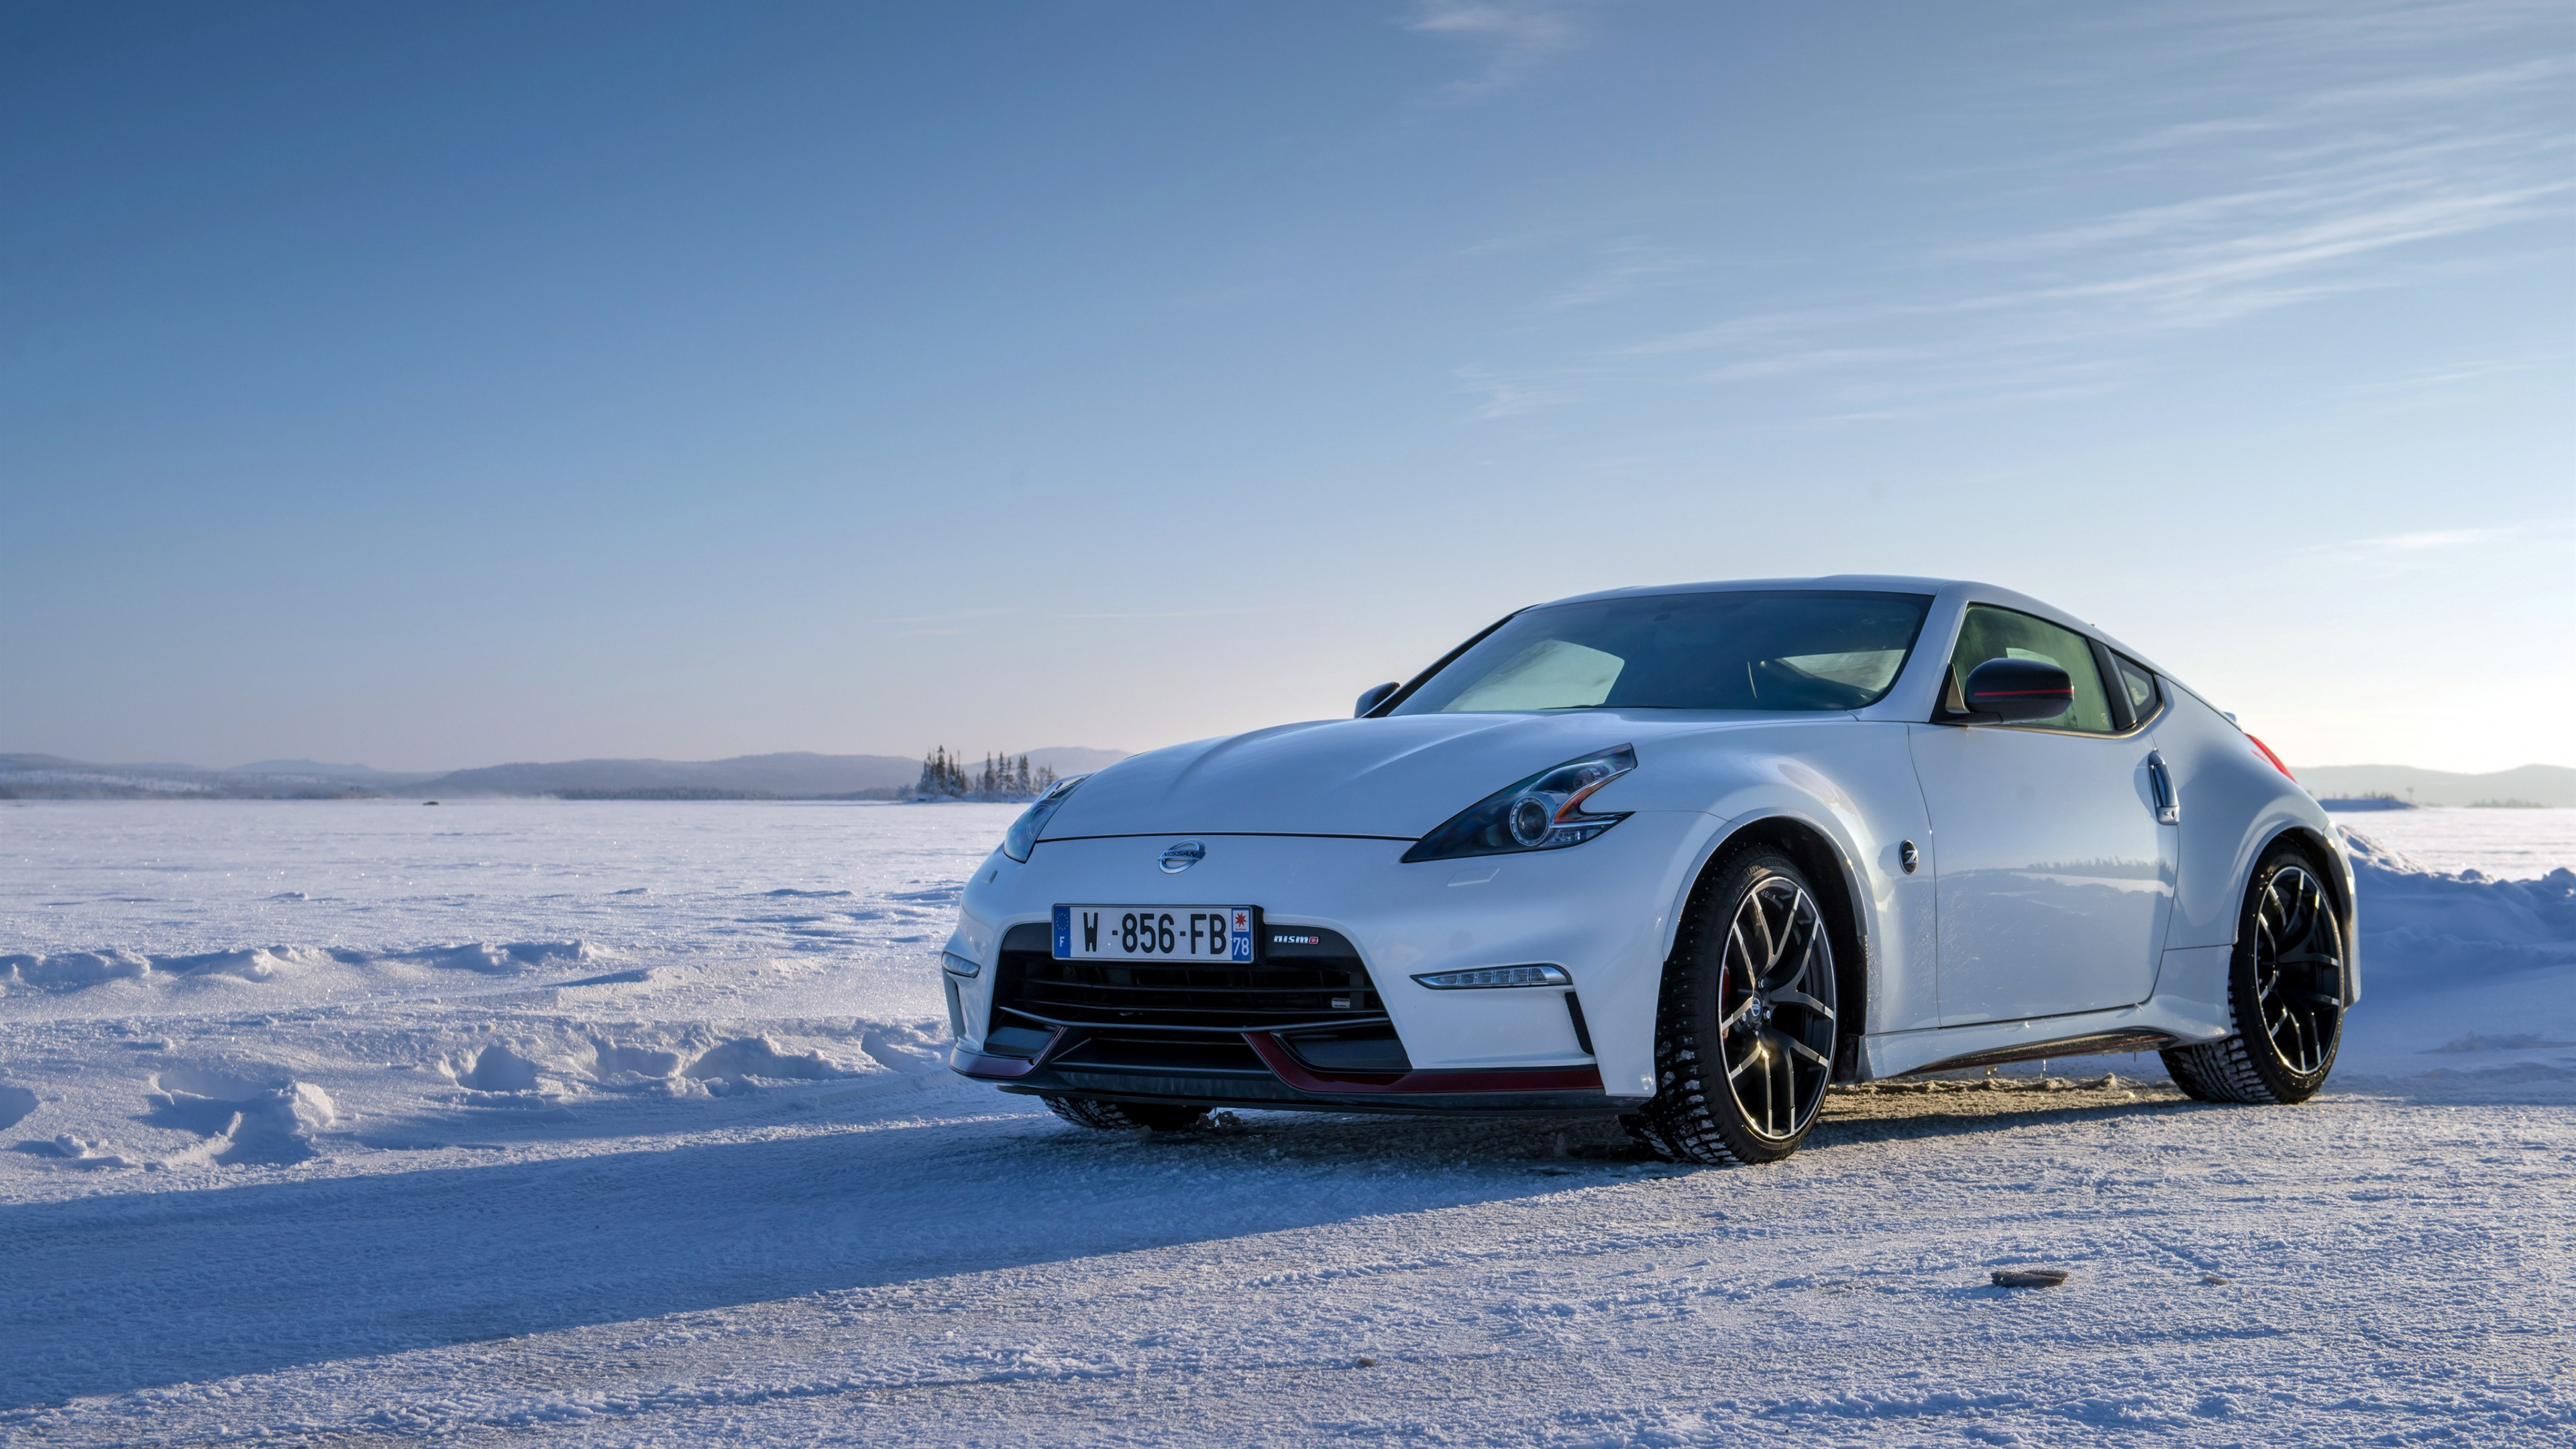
(1178, 858)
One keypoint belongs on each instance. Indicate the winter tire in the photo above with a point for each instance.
(1744, 1039)
(2284, 989)
(1125, 1116)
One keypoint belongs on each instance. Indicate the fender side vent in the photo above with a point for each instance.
(1582, 1033)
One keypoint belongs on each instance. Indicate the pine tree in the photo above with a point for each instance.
(941, 776)
(1003, 777)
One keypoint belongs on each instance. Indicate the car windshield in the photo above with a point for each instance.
(1738, 649)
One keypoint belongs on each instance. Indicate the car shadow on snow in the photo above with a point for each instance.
(115, 1293)
(111, 1293)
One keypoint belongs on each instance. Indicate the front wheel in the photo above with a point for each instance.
(1744, 1042)
(1125, 1116)
(2284, 988)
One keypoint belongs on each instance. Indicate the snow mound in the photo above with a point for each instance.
(497, 1069)
(617, 1067)
(759, 1057)
(70, 971)
(243, 1119)
(564, 1061)
(83, 1152)
(2422, 927)
(507, 958)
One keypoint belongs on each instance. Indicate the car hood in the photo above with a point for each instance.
(1396, 777)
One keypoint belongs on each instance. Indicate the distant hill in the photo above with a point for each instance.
(2530, 784)
(1074, 759)
(53, 777)
(319, 770)
(749, 777)
(786, 775)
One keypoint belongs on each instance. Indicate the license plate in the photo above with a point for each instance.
(1153, 933)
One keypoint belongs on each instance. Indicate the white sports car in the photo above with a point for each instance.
(1685, 853)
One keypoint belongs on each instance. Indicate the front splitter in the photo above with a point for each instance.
(1291, 1085)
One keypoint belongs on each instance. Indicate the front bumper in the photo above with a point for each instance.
(1599, 910)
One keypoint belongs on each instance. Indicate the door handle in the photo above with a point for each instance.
(2160, 781)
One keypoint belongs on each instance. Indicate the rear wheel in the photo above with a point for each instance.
(2285, 989)
(1125, 1116)
(1744, 1042)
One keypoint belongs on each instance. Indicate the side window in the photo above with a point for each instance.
(1992, 633)
(2141, 687)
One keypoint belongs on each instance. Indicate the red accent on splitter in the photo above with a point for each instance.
(1284, 1065)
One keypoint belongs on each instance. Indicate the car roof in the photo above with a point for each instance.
(1859, 583)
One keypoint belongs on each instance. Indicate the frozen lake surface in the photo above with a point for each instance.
(625, 1123)
(2506, 844)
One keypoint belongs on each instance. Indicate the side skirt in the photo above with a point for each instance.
(2125, 1029)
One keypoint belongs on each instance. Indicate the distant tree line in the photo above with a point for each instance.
(947, 777)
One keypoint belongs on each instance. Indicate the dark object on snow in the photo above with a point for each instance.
(2029, 1277)
(429, 802)
(1115, 1116)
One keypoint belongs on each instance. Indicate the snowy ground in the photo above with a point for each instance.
(622, 1123)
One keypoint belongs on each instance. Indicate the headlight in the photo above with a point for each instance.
(1543, 812)
(1023, 836)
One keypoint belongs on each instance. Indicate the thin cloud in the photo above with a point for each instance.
(2239, 28)
(2471, 370)
(1626, 266)
(2337, 150)
(1822, 359)
(947, 618)
(2479, 85)
(1194, 613)
(1510, 395)
(1512, 37)
(2402, 552)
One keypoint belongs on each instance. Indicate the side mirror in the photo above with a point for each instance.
(2011, 691)
(1371, 698)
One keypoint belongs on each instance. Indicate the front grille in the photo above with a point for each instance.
(1316, 978)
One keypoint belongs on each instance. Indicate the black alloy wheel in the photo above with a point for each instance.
(2285, 989)
(1744, 1042)
(1125, 1116)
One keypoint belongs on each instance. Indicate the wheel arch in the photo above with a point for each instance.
(1829, 866)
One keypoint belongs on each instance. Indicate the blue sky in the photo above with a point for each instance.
(445, 386)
